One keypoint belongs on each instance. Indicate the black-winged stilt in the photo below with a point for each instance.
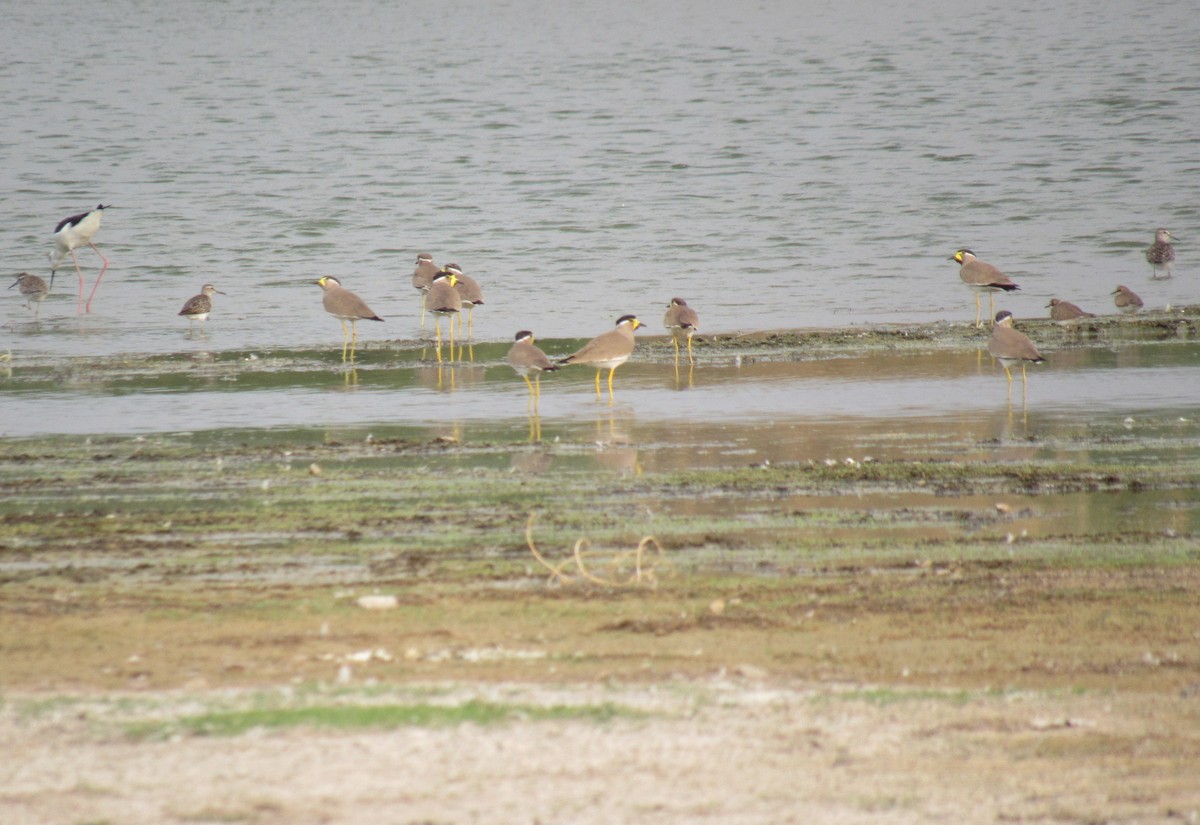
(70, 234)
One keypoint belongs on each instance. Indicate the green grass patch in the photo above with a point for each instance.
(884, 697)
(355, 717)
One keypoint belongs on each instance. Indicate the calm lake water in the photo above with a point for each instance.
(779, 165)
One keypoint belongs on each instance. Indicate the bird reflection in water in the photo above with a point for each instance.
(614, 446)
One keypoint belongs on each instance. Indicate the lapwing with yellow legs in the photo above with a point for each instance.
(71, 234)
(199, 306)
(34, 290)
(344, 305)
(472, 296)
(1010, 347)
(682, 321)
(422, 277)
(443, 300)
(607, 351)
(1126, 300)
(1160, 254)
(527, 359)
(981, 277)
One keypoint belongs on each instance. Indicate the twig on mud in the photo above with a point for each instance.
(643, 572)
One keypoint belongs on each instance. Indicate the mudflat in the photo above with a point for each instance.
(317, 625)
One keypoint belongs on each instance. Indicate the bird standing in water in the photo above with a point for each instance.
(608, 351)
(681, 320)
(443, 300)
(471, 295)
(422, 277)
(1010, 347)
(344, 305)
(199, 306)
(527, 359)
(34, 290)
(1161, 254)
(70, 234)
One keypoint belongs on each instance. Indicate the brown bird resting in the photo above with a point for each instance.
(1126, 300)
(1064, 312)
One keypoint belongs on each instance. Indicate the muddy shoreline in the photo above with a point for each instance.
(1010, 609)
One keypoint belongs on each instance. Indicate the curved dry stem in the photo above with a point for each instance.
(643, 571)
(556, 572)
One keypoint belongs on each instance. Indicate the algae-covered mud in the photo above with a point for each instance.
(832, 612)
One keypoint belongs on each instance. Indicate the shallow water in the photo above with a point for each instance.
(787, 165)
(882, 394)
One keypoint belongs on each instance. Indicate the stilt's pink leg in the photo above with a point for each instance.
(79, 272)
(103, 269)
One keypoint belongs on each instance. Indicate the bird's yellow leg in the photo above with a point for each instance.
(532, 392)
(423, 294)
(675, 341)
(345, 338)
(611, 372)
(598, 384)
(978, 311)
(992, 308)
(353, 338)
(471, 323)
(437, 325)
(690, 361)
(452, 336)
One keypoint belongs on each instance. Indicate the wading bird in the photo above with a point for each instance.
(1010, 347)
(608, 351)
(70, 234)
(682, 321)
(422, 277)
(526, 359)
(198, 306)
(1161, 254)
(981, 277)
(344, 305)
(443, 300)
(33, 290)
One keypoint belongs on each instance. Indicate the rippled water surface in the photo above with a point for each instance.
(780, 165)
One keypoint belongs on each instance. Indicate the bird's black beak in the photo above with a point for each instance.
(14, 283)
